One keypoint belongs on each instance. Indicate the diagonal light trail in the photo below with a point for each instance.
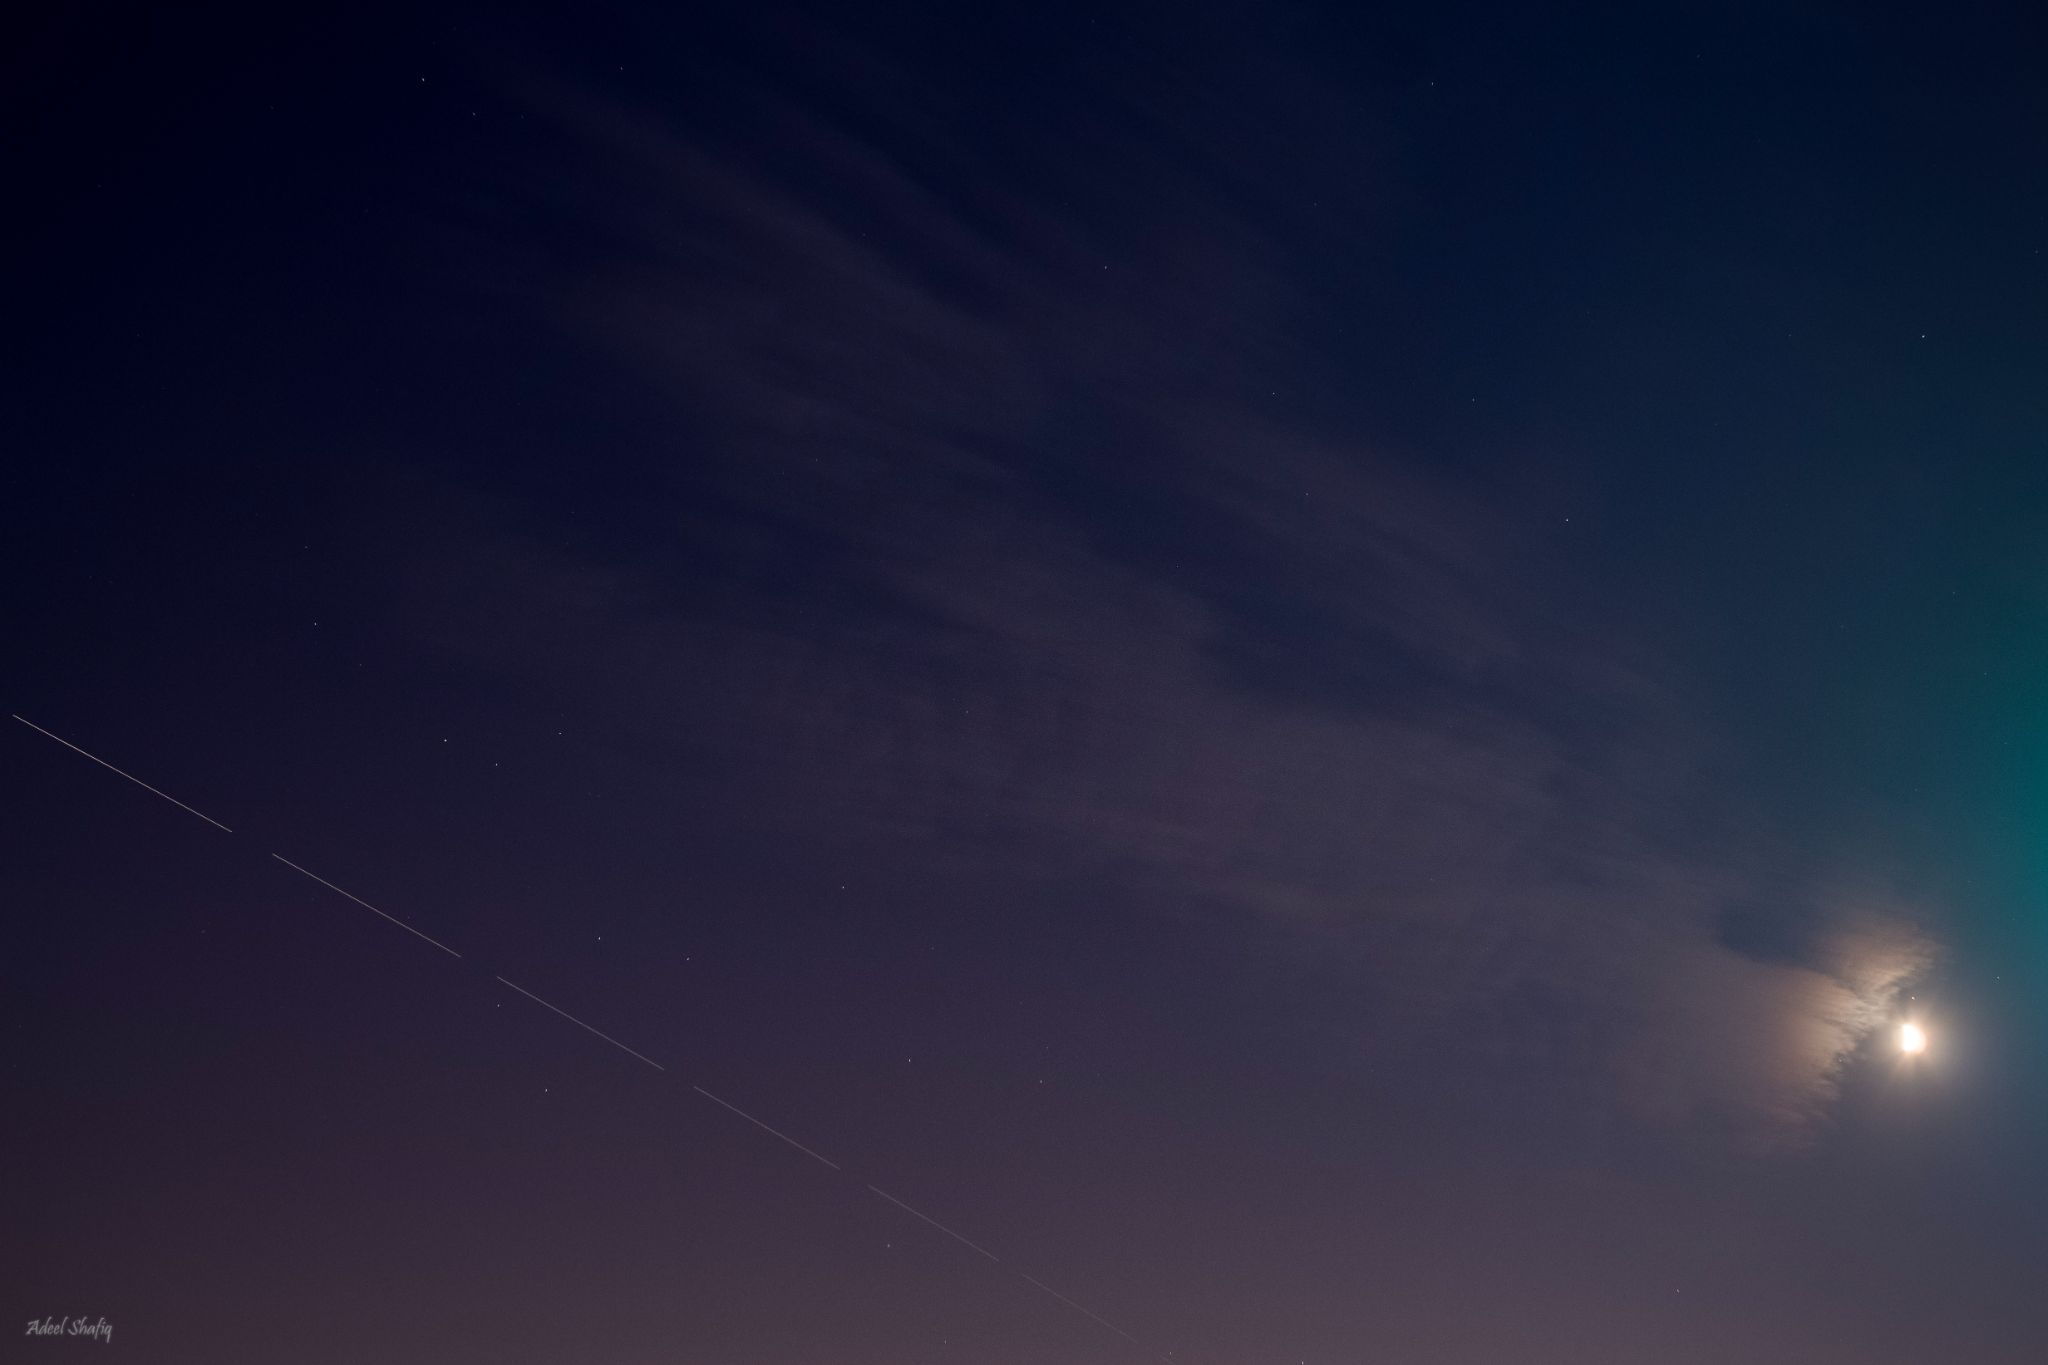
(365, 904)
(130, 776)
(764, 1127)
(780, 1136)
(937, 1224)
(580, 1024)
(1079, 1309)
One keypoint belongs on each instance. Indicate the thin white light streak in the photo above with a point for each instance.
(924, 1218)
(937, 1224)
(580, 1024)
(130, 776)
(764, 1127)
(365, 904)
(1079, 1309)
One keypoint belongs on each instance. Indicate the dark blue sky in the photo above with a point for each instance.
(1327, 675)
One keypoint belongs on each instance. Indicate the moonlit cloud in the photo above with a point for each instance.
(1220, 656)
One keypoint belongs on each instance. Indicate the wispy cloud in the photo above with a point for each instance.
(1013, 550)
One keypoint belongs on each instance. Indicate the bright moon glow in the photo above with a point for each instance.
(1911, 1039)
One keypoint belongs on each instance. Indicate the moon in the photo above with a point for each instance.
(1912, 1038)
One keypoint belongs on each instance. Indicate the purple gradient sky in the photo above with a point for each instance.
(1329, 679)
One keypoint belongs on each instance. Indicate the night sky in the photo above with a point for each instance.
(1269, 684)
